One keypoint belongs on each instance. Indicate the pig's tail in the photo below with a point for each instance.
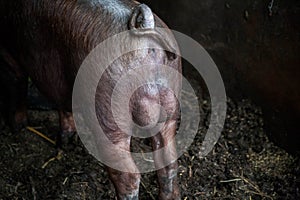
(142, 24)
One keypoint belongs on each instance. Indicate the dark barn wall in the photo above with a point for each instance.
(256, 50)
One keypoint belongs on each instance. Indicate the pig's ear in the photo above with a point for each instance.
(142, 18)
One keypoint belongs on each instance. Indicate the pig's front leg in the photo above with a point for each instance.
(167, 176)
(15, 83)
(67, 128)
(18, 104)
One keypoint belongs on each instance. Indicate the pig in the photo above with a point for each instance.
(48, 40)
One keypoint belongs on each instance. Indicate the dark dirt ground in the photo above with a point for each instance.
(244, 164)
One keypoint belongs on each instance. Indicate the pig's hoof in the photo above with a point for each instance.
(170, 196)
(16, 127)
(66, 139)
(17, 121)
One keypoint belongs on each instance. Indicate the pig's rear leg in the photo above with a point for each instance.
(167, 176)
(165, 141)
(126, 184)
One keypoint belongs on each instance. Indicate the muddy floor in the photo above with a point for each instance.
(243, 165)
